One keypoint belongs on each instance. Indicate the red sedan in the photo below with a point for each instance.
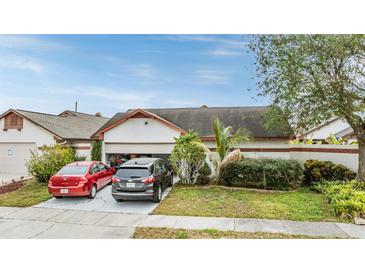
(80, 179)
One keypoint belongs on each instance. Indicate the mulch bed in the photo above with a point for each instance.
(12, 187)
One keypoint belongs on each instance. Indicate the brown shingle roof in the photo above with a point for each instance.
(67, 125)
(201, 119)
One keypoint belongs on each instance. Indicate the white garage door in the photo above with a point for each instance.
(13, 157)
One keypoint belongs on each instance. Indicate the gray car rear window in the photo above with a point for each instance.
(133, 172)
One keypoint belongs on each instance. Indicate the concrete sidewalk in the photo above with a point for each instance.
(72, 224)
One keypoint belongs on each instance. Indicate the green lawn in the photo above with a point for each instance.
(30, 194)
(168, 233)
(301, 205)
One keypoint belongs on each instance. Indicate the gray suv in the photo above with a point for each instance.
(142, 178)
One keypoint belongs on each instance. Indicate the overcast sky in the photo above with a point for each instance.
(111, 73)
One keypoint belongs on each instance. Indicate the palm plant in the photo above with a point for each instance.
(226, 139)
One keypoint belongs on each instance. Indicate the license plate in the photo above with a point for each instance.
(64, 190)
(131, 184)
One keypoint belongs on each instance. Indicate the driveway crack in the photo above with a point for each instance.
(36, 235)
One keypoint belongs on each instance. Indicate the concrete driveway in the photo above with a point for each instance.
(103, 202)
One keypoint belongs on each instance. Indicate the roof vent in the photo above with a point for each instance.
(98, 114)
(204, 106)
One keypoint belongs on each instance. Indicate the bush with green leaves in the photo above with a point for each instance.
(42, 165)
(346, 198)
(204, 175)
(318, 171)
(263, 173)
(96, 151)
(188, 157)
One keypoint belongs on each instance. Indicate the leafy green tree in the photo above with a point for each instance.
(226, 139)
(45, 164)
(96, 151)
(188, 157)
(313, 78)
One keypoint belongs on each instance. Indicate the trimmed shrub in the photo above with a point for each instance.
(43, 165)
(346, 198)
(319, 171)
(96, 151)
(204, 175)
(263, 173)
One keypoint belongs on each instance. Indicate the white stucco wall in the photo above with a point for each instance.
(30, 133)
(82, 149)
(262, 144)
(349, 159)
(135, 130)
(325, 131)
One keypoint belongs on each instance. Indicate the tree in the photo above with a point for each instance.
(313, 78)
(188, 157)
(43, 165)
(226, 139)
(96, 151)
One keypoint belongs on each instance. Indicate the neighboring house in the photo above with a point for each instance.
(336, 126)
(23, 131)
(151, 132)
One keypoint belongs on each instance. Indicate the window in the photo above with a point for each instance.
(94, 169)
(159, 167)
(133, 172)
(102, 167)
(73, 170)
(13, 121)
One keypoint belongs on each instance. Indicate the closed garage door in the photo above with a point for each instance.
(13, 157)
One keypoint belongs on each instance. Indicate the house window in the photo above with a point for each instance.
(13, 121)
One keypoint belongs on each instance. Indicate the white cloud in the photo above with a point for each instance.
(120, 99)
(28, 42)
(223, 45)
(233, 42)
(20, 63)
(225, 52)
(212, 76)
(139, 70)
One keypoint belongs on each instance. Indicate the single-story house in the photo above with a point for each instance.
(336, 126)
(151, 132)
(23, 131)
(134, 133)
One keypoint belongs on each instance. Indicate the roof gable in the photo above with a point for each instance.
(138, 113)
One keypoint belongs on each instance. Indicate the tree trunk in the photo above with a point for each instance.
(361, 169)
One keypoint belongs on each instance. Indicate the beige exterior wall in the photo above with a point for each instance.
(30, 133)
(15, 146)
(141, 130)
(82, 149)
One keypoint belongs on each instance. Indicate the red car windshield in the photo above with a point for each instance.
(73, 170)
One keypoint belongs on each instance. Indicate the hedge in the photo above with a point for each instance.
(263, 173)
(318, 171)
